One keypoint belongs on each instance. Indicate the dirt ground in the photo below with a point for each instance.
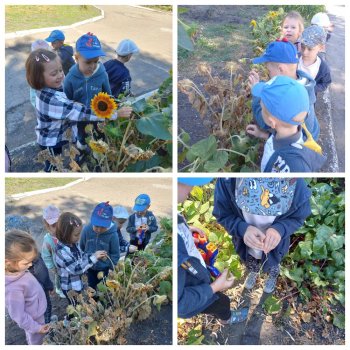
(81, 199)
(237, 44)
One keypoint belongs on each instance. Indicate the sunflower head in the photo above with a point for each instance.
(99, 146)
(253, 23)
(103, 105)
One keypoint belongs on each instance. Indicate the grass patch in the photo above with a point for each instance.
(26, 17)
(165, 8)
(20, 185)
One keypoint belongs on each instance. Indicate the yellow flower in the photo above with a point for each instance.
(253, 23)
(98, 146)
(103, 105)
(273, 14)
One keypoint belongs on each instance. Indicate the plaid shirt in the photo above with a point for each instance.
(55, 114)
(71, 264)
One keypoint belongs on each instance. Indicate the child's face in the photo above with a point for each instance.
(119, 222)
(57, 44)
(291, 29)
(53, 74)
(100, 229)
(309, 54)
(142, 213)
(25, 262)
(76, 234)
(87, 67)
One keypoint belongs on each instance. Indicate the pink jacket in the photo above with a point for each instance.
(25, 301)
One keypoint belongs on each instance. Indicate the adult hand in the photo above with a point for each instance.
(125, 112)
(44, 329)
(223, 282)
(253, 78)
(254, 238)
(272, 239)
(254, 130)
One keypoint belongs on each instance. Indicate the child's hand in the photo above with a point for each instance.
(253, 78)
(125, 112)
(254, 238)
(100, 254)
(52, 293)
(198, 230)
(44, 329)
(132, 248)
(223, 282)
(254, 130)
(272, 239)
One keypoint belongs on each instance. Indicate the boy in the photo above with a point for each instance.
(196, 292)
(86, 79)
(321, 19)
(120, 215)
(281, 58)
(141, 223)
(284, 104)
(261, 214)
(100, 234)
(57, 38)
(118, 74)
(313, 40)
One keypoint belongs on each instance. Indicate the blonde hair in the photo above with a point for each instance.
(295, 15)
(18, 242)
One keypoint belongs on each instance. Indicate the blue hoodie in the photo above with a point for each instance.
(82, 89)
(230, 216)
(66, 54)
(151, 222)
(194, 291)
(90, 242)
(119, 77)
(311, 119)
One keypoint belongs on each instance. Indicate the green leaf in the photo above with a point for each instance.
(154, 125)
(195, 337)
(205, 148)
(335, 242)
(139, 106)
(305, 249)
(113, 131)
(92, 330)
(204, 208)
(338, 257)
(295, 274)
(165, 288)
(339, 320)
(272, 305)
(183, 38)
(197, 193)
(217, 162)
(323, 233)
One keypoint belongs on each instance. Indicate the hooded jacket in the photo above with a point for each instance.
(90, 242)
(310, 120)
(323, 77)
(119, 77)
(82, 89)
(230, 216)
(25, 301)
(66, 54)
(151, 222)
(194, 291)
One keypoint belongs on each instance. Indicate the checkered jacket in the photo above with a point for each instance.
(69, 268)
(55, 114)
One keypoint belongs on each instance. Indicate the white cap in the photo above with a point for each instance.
(40, 44)
(51, 214)
(321, 19)
(126, 47)
(120, 212)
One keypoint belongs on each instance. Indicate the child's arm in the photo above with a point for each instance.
(323, 81)
(47, 255)
(106, 86)
(254, 130)
(114, 249)
(131, 229)
(152, 223)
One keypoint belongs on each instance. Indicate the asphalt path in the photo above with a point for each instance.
(151, 31)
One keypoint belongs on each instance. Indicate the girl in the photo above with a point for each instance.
(55, 112)
(70, 261)
(292, 27)
(24, 297)
(48, 250)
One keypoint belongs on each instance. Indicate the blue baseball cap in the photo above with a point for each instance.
(55, 35)
(194, 181)
(279, 51)
(102, 215)
(283, 97)
(89, 46)
(142, 201)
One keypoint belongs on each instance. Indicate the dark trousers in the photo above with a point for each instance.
(48, 311)
(54, 151)
(220, 308)
(135, 241)
(93, 281)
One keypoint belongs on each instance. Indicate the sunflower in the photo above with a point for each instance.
(253, 23)
(103, 105)
(98, 146)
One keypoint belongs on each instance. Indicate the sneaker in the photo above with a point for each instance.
(250, 280)
(270, 284)
(238, 315)
(60, 293)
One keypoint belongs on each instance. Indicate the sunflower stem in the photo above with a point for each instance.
(124, 141)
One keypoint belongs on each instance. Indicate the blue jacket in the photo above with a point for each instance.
(151, 222)
(323, 77)
(230, 216)
(194, 291)
(81, 89)
(292, 157)
(123, 243)
(119, 77)
(90, 242)
(66, 54)
(311, 119)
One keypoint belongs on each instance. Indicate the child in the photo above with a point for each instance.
(100, 234)
(86, 79)
(118, 73)
(56, 38)
(120, 216)
(55, 112)
(292, 27)
(312, 41)
(261, 214)
(24, 297)
(71, 262)
(196, 292)
(321, 19)
(284, 104)
(48, 251)
(142, 223)
(281, 58)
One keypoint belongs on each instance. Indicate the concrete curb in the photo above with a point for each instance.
(46, 190)
(50, 29)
